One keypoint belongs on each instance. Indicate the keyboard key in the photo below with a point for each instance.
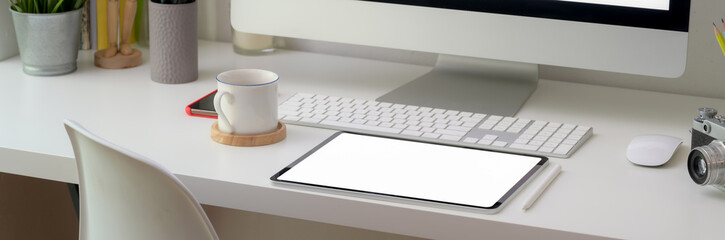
(431, 135)
(500, 128)
(479, 115)
(564, 131)
(362, 127)
(465, 114)
(457, 128)
(372, 123)
(508, 120)
(453, 117)
(455, 123)
(527, 136)
(485, 126)
(523, 121)
(485, 142)
(398, 121)
(414, 128)
(470, 119)
(563, 149)
(292, 118)
(411, 133)
(450, 137)
(385, 104)
(450, 132)
(524, 147)
(490, 137)
(574, 137)
(539, 123)
(386, 124)
(310, 120)
(468, 124)
(514, 130)
(400, 126)
(412, 123)
(288, 113)
(546, 149)
(555, 140)
(495, 118)
(559, 135)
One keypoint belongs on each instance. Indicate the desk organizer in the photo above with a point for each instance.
(248, 141)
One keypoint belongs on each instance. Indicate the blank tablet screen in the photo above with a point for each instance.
(414, 170)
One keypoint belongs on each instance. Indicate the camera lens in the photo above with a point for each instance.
(706, 164)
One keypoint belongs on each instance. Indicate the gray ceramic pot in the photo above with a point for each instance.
(48, 43)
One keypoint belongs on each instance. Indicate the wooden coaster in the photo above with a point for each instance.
(248, 141)
(119, 61)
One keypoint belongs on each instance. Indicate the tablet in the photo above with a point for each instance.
(413, 170)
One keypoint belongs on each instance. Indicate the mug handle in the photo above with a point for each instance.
(218, 107)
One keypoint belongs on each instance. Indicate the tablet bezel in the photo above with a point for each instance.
(543, 161)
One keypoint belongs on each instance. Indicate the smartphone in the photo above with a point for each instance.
(204, 107)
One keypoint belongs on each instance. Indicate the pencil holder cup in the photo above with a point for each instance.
(172, 42)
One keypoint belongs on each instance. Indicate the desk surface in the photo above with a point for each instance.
(599, 193)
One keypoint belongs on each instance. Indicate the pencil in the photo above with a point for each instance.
(556, 169)
(720, 40)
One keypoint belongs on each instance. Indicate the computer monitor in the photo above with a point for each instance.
(489, 50)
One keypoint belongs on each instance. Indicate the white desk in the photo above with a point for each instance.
(599, 193)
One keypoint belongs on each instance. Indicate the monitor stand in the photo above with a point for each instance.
(470, 84)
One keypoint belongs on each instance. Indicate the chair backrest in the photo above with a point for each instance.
(126, 196)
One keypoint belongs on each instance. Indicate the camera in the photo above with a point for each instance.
(706, 161)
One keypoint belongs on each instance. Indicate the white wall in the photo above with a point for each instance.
(8, 42)
(704, 74)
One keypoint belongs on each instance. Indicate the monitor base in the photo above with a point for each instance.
(470, 84)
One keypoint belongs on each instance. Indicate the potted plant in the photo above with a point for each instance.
(48, 33)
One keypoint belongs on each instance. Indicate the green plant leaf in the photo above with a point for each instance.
(57, 6)
(15, 6)
(45, 6)
(79, 4)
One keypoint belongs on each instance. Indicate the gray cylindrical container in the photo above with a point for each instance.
(48, 43)
(172, 42)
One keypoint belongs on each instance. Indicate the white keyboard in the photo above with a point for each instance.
(449, 127)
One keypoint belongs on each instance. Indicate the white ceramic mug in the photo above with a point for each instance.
(246, 102)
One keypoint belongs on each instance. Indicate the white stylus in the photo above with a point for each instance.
(555, 170)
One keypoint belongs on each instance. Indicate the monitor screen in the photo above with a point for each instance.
(496, 44)
(659, 14)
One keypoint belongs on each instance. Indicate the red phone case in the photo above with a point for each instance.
(188, 107)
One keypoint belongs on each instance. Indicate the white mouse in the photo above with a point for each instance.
(652, 150)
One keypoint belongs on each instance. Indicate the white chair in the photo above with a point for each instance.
(127, 196)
